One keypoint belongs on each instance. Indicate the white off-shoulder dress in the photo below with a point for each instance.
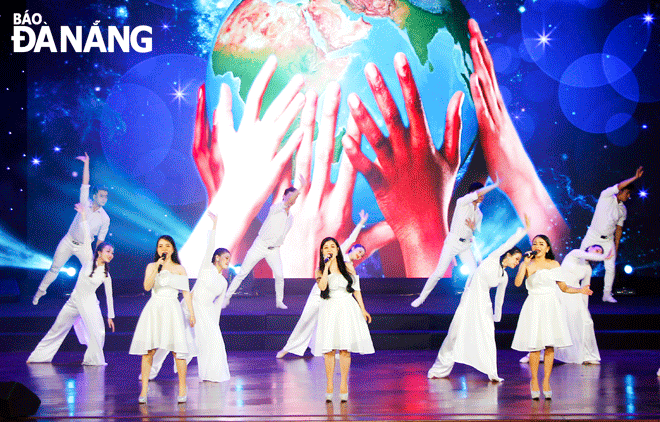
(341, 325)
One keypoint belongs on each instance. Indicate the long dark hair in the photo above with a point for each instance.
(325, 293)
(550, 254)
(175, 254)
(97, 252)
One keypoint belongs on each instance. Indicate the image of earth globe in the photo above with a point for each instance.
(326, 40)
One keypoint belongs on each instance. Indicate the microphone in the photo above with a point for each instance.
(531, 254)
(163, 257)
(327, 258)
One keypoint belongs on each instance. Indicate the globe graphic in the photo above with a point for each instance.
(327, 40)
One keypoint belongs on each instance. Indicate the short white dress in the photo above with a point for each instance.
(542, 322)
(341, 325)
(161, 323)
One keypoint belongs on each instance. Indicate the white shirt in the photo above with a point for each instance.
(609, 213)
(98, 220)
(465, 210)
(276, 225)
(576, 267)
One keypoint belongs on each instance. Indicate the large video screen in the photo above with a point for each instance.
(192, 106)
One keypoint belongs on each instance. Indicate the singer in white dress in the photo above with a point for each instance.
(471, 336)
(302, 335)
(161, 323)
(343, 318)
(207, 299)
(82, 310)
(576, 307)
(542, 324)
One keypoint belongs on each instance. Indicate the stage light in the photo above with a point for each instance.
(643, 194)
(36, 161)
(628, 269)
(70, 271)
(465, 270)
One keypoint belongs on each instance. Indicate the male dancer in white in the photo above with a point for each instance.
(301, 336)
(73, 242)
(467, 218)
(607, 226)
(267, 246)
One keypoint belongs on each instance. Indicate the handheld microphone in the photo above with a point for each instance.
(163, 257)
(327, 258)
(531, 254)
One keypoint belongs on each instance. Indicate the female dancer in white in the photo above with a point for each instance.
(343, 320)
(471, 336)
(302, 334)
(577, 270)
(161, 323)
(82, 310)
(542, 323)
(207, 298)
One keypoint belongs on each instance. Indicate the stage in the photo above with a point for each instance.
(388, 385)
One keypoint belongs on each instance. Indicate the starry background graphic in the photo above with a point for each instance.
(581, 80)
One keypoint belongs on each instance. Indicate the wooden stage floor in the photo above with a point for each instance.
(388, 385)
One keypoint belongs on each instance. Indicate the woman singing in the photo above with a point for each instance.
(343, 319)
(82, 310)
(471, 336)
(207, 296)
(542, 324)
(161, 323)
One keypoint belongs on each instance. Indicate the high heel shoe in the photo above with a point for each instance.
(547, 395)
(182, 399)
(343, 396)
(142, 399)
(535, 394)
(328, 396)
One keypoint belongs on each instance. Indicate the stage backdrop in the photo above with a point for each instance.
(165, 97)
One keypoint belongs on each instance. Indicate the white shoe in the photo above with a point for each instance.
(38, 295)
(495, 378)
(591, 362)
(524, 359)
(415, 303)
(281, 305)
(658, 374)
(281, 354)
(607, 297)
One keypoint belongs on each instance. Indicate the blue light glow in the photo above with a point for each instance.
(628, 269)
(465, 270)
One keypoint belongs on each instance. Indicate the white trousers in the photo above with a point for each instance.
(608, 245)
(256, 253)
(302, 335)
(85, 313)
(64, 250)
(452, 247)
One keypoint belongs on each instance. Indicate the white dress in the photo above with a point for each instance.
(81, 311)
(341, 325)
(302, 335)
(161, 324)
(471, 336)
(542, 322)
(580, 324)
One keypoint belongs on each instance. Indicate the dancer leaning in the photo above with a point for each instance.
(302, 335)
(82, 310)
(267, 246)
(467, 218)
(471, 336)
(606, 226)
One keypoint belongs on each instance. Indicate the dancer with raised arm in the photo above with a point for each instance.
(471, 336)
(82, 310)
(161, 323)
(606, 226)
(267, 246)
(343, 318)
(73, 243)
(207, 298)
(576, 268)
(467, 218)
(302, 334)
(542, 324)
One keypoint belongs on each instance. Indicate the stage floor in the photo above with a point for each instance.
(388, 385)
